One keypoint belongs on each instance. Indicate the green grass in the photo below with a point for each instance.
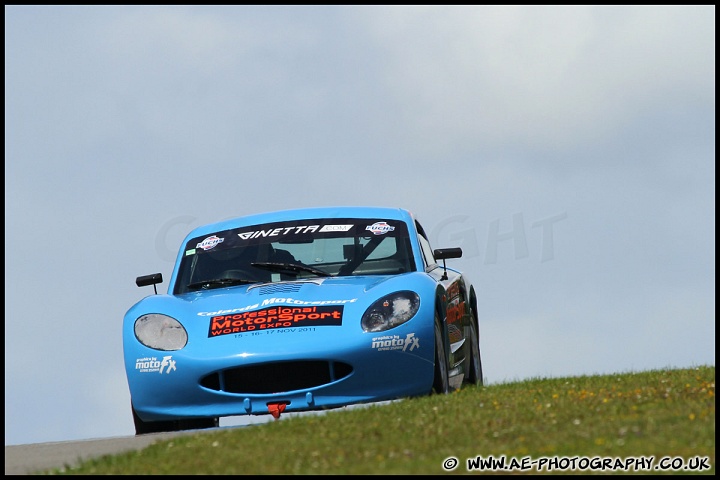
(659, 413)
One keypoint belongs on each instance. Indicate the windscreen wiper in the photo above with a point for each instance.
(290, 267)
(218, 282)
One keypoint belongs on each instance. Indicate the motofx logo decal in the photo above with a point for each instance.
(380, 228)
(394, 342)
(210, 242)
(152, 364)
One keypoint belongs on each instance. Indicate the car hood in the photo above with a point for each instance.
(218, 318)
(353, 292)
(329, 290)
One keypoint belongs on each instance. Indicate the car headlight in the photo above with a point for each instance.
(160, 332)
(390, 311)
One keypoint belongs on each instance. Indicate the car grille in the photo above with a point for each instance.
(276, 377)
(282, 287)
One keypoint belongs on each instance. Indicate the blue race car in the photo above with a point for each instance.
(299, 310)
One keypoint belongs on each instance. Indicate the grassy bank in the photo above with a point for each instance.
(605, 418)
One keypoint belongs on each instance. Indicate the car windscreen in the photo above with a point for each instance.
(298, 249)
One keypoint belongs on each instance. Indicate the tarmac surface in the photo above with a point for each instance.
(39, 457)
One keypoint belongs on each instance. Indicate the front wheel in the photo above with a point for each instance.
(441, 382)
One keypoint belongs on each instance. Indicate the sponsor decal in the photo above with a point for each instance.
(336, 228)
(276, 301)
(454, 333)
(153, 365)
(275, 318)
(380, 228)
(293, 301)
(210, 242)
(275, 232)
(190, 252)
(455, 311)
(394, 342)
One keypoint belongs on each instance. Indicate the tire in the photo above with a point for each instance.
(473, 361)
(441, 382)
(199, 423)
(143, 427)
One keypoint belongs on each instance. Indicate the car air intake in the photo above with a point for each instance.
(276, 377)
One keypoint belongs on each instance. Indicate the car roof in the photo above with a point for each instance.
(383, 213)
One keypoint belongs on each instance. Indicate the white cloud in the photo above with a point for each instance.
(547, 77)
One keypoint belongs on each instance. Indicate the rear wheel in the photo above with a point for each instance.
(441, 383)
(473, 362)
(142, 427)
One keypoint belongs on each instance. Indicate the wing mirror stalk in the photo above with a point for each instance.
(444, 253)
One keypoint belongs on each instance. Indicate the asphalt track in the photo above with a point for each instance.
(39, 457)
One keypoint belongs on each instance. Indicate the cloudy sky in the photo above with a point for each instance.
(570, 151)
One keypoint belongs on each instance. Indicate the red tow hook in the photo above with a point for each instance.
(276, 408)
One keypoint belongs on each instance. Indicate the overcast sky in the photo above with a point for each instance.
(570, 151)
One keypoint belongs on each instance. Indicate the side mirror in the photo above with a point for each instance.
(444, 253)
(153, 279)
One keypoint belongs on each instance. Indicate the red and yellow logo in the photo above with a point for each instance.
(275, 317)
